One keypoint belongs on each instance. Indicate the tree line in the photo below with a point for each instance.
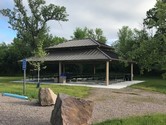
(145, 47)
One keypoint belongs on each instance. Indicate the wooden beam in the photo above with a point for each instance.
(107, 73)
(132, 72)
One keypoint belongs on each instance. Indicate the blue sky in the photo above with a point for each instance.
(109, 15)
(6, 34)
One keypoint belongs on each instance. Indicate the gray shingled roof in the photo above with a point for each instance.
(76, 43)
(63, 51)
(74, 55)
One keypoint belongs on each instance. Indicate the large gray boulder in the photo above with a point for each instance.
(71, 111)
(46, 97)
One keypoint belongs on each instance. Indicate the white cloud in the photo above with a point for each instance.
(109, 15)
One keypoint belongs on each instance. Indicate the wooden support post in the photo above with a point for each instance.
(60, 70)
(107, 73)
(132, 72)
(94, 70)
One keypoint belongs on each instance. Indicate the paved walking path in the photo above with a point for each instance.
(118, 85)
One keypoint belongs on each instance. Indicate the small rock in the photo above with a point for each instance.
(71, 111)
(46, 97)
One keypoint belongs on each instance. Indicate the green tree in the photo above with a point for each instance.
(3, 54)
(129, 42)
(22, 50)
(31, 25)
(132, 45)
(17, 50)
(52, 40)
(9, 56)
(82, 33)
(156, 17)
(123, 45)
(156, 20)
(149, 50)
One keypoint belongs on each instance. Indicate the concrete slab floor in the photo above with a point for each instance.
(118, 85)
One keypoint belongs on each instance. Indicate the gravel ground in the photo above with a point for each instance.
(109, 104)
(22, 112)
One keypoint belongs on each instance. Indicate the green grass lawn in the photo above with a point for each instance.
(32, 92)
(152, 84)
(157, 119)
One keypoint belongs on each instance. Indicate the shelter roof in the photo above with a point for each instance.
(74, 55)
(78, 50)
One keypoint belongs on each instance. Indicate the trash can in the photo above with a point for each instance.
(62, 78)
